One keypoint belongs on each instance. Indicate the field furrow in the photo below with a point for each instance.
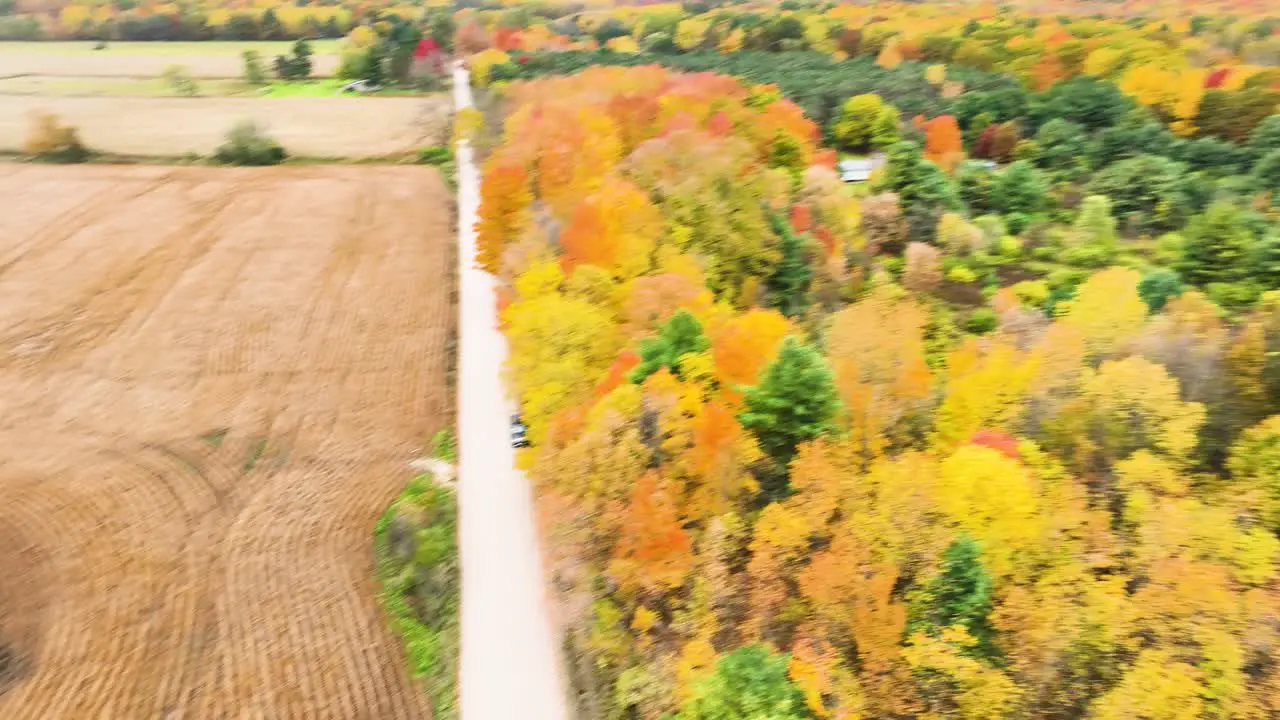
(214, 382)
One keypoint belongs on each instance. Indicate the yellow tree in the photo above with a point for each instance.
(1107, 309)
(955, 684)
(732, 41)
(876, 348)
(890, 56)
(781, 535)
(691, 32)
(556, 342)
(1134, 404)
(985, 389)
(996, 500)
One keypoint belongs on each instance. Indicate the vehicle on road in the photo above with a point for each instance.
(519, 433)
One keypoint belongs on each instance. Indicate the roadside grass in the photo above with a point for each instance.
(417, 567)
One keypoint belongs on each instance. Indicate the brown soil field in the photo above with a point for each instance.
(349, 127)
(214, 381)
(201, 60)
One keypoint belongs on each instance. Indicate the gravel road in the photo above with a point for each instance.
(510, 660)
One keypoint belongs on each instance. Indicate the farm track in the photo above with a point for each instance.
(213, 382)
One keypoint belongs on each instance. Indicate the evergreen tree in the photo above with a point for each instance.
(1266, 136)
(1217, 244)
(1062, 145)
(959, 595)
(785, 153)
(680, 335)
(750, 683)
(1267, 175)
(296, 66)
(1266, 261)
(1158, 287)
(1020, 188)
(270, 26)
(789, 284)
(924, 191)
(794, 401)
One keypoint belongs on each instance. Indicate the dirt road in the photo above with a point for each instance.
(212, 383)
(510, 660)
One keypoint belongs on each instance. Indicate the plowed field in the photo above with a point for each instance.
(212, 382)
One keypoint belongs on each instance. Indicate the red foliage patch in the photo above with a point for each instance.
(998, 440)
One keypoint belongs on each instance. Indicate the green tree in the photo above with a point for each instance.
(1062, 145)
(924, 191)
(253, 72)
(1266, 261)
(679, 336)
(785, 153)
(1145, 191)
(973, 183)
(1266, 137)
(270, 26)
(750, 683)
(1159, 286)
(1019, 189)
(297, 65)
(1267, 174)
(959, 595)
(794, 401)
(789, 283)
(1090, 102)
(1217, 245)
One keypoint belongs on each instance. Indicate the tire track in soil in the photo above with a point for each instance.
(158, 561)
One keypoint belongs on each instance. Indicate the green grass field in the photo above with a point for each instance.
(266, 48)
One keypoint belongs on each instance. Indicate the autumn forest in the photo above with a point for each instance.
(992, 434)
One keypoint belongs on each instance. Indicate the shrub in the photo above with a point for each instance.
(247, 144)
(416, 554)
(1008, 246)
(1031, 292)
(296, 65)
(48, 139)
(1087, 256)
(981, 321)
(961, 274)
(178, 80)
(253, 72)
(443, 446)
(435, 155)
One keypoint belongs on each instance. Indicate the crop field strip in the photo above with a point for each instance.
(325, 127)
(214, 381)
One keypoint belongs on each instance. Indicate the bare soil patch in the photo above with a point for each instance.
(355, 127)
(214, 382)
